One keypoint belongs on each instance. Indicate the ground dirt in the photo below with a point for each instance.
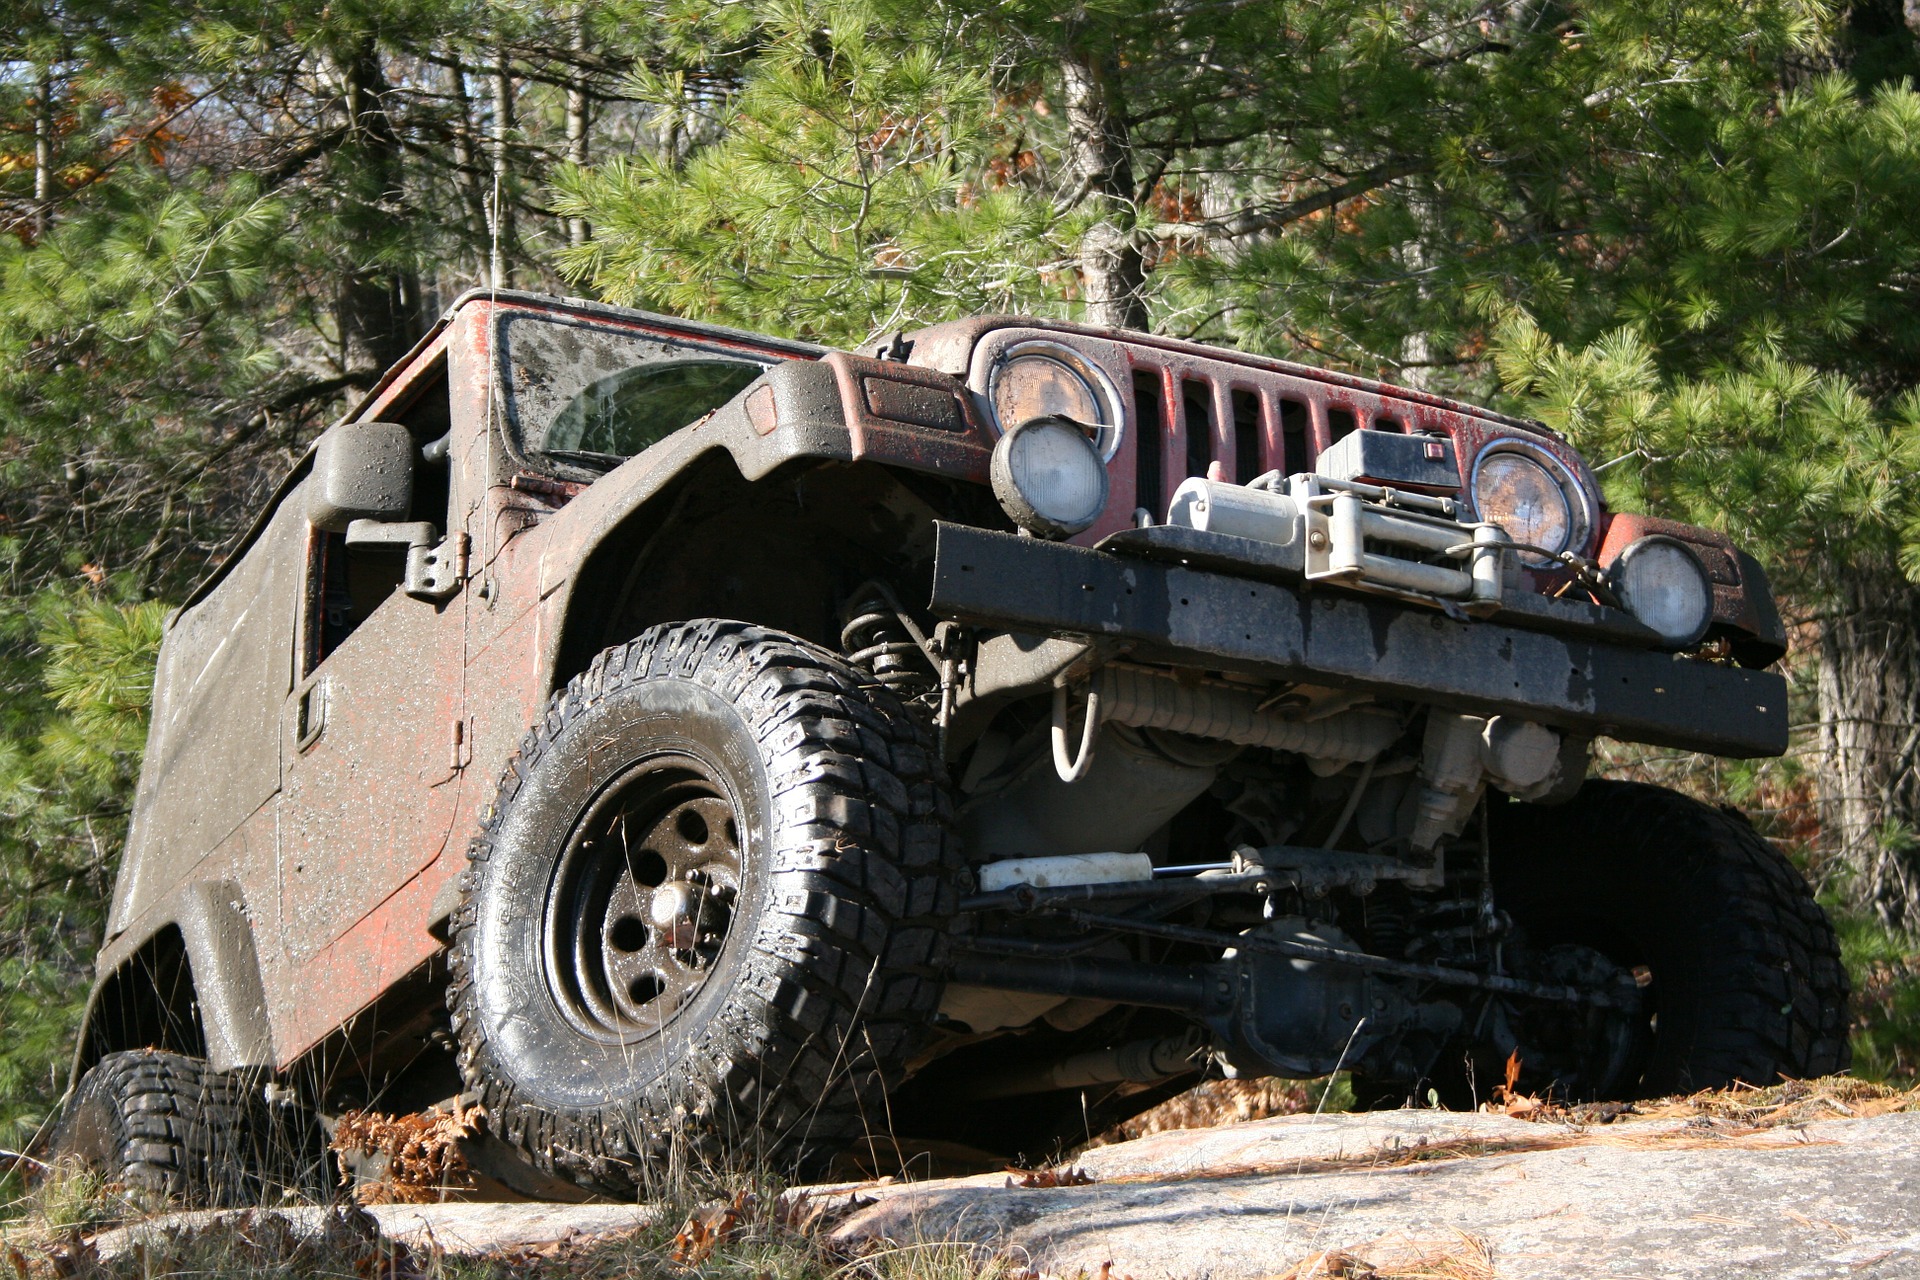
(1816, 1179)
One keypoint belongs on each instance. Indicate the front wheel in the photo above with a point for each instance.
(1740, 968)
(705, 909)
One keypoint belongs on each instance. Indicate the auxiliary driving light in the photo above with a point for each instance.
(1049, 477)
(1662, 583)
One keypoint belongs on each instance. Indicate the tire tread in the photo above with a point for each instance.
(862, 870)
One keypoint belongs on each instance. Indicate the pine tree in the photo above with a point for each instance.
(221, 223)
(840, 198)
(1767, 385)
(1682, 230)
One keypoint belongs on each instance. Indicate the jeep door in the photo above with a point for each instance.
(370, 741)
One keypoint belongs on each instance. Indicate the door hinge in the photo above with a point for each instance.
(434, 573)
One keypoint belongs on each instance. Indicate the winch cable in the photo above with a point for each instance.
(1587, 573)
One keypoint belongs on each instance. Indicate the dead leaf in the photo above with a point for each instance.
(707, 1227)
(1215, 1102)
(801, 1211)
(424, 1160)
(1466, 1257)
(1334, 1264)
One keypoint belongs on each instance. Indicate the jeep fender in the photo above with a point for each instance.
(843, 408)
(206, 925)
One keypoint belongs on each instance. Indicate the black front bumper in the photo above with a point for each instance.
(1186, 616)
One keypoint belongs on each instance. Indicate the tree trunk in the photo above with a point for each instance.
(43, 127)
(578, 117)
(471, 179)
(376, 303)
(503, 222)
(1869, 763)
(1113, 268)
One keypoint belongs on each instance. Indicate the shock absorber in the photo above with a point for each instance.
(879, 636)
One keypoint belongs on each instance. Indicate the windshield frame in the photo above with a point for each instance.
(692, 341)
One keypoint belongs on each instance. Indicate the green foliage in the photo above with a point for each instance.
(99, 672)
(124, 333)
(836, 204)
(1799, 465)
(1648, 224)
(64, 794)
(1883, 965)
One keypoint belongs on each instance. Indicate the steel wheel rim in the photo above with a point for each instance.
(1590, 1052)
(643, 898)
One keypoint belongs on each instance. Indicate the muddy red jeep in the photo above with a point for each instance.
(673, 738)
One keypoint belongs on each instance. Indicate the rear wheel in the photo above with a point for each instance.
(163, 1127)
(1740, 968)
(705, 911)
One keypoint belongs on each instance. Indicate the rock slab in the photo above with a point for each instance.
(1495, 1196)
(1836, 1198)
(462, 1229)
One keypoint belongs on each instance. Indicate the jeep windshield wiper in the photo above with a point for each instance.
(588, 457)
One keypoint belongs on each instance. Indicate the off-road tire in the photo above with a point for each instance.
(163, 1127)
(1745, 969)
(827, 978)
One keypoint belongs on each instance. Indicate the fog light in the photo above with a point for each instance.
(1662, 583)
(1049, 477)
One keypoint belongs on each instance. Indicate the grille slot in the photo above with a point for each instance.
(1296, 420)
(1183, 425)
(1246, 436)
(1197, 402)
(1186, 420)
(1149, 439)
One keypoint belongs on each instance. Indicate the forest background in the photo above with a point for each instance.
(1681, 231)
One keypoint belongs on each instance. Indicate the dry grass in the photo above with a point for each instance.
(741, 1235)
(1214, 1103)
(746, 1231)
(1738, 1111)
(1742, 1116)
(1464, 1257)
(346, 1242)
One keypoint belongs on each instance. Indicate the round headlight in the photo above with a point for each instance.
(1531, 496)
(1662, 583)
(1046, 379)
(1049, 478)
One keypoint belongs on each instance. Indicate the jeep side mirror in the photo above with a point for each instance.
(361, 471)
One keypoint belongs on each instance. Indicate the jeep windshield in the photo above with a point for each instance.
(588, 395)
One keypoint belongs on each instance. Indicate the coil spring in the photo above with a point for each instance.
(875, 638)
(1387, 926)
